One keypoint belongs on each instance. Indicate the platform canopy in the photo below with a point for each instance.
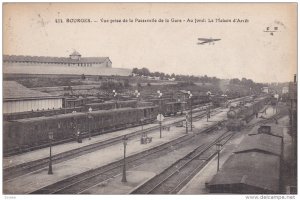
(14, 90)
(261, 143)
(248, 173)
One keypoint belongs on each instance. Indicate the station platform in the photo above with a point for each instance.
(40, 178)
(267, 112)
(197, 184)
(57, 149)
(142, 173)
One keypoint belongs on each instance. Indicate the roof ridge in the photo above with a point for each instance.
(49, 59)
(7, 55)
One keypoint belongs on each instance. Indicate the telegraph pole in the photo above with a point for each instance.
(186, 123)
(89, 119)
(191, 107)
(191, 114)
(50, 172)
(218, 145)
(160, 116)
(124, 179)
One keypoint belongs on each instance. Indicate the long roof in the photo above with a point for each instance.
(252, 168)
(75, 115)
(14, 90)
(46, 59)
(276, 130)
(66, 70)
(261, 142)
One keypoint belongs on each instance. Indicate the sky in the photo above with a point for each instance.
(244, 50)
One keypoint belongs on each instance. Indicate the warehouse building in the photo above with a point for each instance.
(17, 98)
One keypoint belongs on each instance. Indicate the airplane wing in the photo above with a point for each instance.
(204, 39)
(208, 39)
(203, 42)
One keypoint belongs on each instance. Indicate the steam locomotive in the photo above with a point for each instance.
(240, 115)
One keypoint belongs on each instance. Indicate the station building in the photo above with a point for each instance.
(293, 105)
(17, 98)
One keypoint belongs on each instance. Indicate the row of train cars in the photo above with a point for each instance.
(168, 106)
(239, 115)
(30, 130)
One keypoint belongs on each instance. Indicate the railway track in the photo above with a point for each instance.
(172, 179)
(175, 177)
(81, 182)
(21, 169)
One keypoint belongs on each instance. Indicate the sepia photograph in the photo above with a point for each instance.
(149, 99)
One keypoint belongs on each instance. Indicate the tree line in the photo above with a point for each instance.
(164, 76)
(248, 83)
(243, 84)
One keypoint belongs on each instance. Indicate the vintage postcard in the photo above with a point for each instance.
(149, 98)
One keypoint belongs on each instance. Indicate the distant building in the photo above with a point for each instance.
(285, 90)
(75, 59)
(265, 90)
(182, 96)
(17, 98)
(75, 64)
